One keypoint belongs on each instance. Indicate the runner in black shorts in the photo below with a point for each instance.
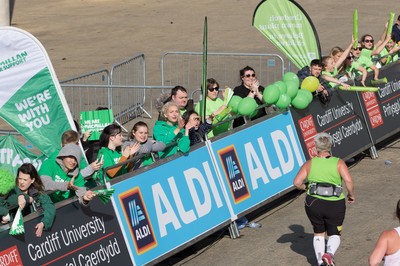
(325, 201)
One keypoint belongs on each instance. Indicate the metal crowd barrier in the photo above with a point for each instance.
(128, 104)
(81, 97)
(185, 68)
(121, 89)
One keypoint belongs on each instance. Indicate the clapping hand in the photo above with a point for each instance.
(71, 184)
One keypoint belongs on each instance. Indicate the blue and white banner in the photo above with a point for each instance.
(259, 162)
(169, 205)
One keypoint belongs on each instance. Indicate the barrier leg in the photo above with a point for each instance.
(233, 230)
(373, 152)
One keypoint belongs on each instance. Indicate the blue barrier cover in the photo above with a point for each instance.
(169, 205)
(259, 162)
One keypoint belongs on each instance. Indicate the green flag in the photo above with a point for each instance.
(31, 99)
(17, 227)
(288, 27)
(14, 154)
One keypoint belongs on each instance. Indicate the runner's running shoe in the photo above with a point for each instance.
(328, 259)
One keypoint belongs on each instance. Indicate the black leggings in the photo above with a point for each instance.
(325, 216)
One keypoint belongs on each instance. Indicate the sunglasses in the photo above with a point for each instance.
(250, 75)
(369, 41)
(213, 89)
(358, 49)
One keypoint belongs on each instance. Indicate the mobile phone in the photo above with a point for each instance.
(100, 159)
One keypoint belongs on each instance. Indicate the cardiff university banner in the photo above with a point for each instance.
(31, 99)
(13, 154)
(288, 27)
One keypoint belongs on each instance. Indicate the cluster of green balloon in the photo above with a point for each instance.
(286, 92)
(243, 106)
(282, 93)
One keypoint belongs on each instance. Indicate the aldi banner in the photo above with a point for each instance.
(286, 25)
(80, 235)
(170, 204)
(342, 118)
(259, 162)
(383, 107)
(31, 99)
(13, 154)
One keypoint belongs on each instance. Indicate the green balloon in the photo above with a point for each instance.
(290, 76)
(292, 88)
(306, 93)
(283, 102)
(271, 94)
(300, 101)
(310, 83)
(247, 106)
(254, 113)
(222, 128)
(281, 85)
(234, 103)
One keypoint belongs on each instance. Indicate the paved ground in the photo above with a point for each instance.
(85, 35)
(285, 237)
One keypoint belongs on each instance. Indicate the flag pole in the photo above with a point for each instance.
(204, 73)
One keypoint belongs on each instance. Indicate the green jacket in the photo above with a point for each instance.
(164, 132)
(42, 201)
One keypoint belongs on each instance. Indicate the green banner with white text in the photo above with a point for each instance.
(285, 24)
(31, 99)
(13, 154)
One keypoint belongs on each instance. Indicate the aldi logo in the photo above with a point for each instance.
(10, 257)
(234, 174)
(138, 220)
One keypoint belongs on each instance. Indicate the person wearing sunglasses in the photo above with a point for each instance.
(370, 48)
(214, 106)
(250, 87)
(353, 69)
(362, 64)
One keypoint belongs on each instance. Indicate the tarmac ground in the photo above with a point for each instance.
(285, 237)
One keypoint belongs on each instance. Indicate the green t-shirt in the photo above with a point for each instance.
(331, 74)
(390, 58)
(110, 158)
(325, 170)
(211, 106)
(51, 168)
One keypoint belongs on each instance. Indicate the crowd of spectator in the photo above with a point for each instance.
(67, 173)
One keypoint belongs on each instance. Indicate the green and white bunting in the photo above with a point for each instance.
(31, 99)
(17, 227)
(285, 24)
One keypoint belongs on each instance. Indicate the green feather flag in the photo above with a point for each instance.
(17, 227)
(104, 194)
